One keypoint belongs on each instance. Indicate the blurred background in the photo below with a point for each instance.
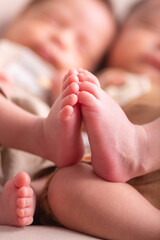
(121, 7)
(8, 10)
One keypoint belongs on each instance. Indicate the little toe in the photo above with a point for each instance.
(87, 76)
(87, 99)
(72, 88)
(22, 179)
(25, 221)
(90, 88)
(25, 192)
(24, 202)
(65, 112)
(69, 80)
(69, 73)
(24, 212)
(71, 100)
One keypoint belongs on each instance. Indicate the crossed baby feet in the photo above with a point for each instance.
(17, 201)
(111, 135)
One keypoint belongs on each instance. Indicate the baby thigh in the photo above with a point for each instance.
(82, 201)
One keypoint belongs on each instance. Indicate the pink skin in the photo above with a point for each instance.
(17, 201)
(64, 145)
(111, 135)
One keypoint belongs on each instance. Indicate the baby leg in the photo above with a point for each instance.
(82, 201)
(62, 130)
(113, 138)
(17, 201)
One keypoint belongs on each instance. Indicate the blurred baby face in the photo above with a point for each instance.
(65, 33)
(137, 49)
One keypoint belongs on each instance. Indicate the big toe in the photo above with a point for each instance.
(22, 179)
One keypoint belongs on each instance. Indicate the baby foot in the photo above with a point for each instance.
(112, 136)
(62, 130)
(17, 201)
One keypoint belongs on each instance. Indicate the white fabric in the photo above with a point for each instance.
(40, 233)
(121, 7)
(9, 9)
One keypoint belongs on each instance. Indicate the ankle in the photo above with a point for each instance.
(39, 146)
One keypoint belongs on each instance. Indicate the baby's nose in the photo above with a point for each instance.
(65, 38)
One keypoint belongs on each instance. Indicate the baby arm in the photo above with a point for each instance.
(19, 129)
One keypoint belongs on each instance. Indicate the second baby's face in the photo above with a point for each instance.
(137, 49)
(65, 33)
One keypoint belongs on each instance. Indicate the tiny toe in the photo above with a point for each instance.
(87, 99)
(87, 76)
(71, 100)
(70, 72)
(91, 76)
(72, 88)
(69, 80)
(22, 179)
(25, 192)
(66, 112)
(24, 202)
(24, 212)
(25, 221)
(91, 88)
